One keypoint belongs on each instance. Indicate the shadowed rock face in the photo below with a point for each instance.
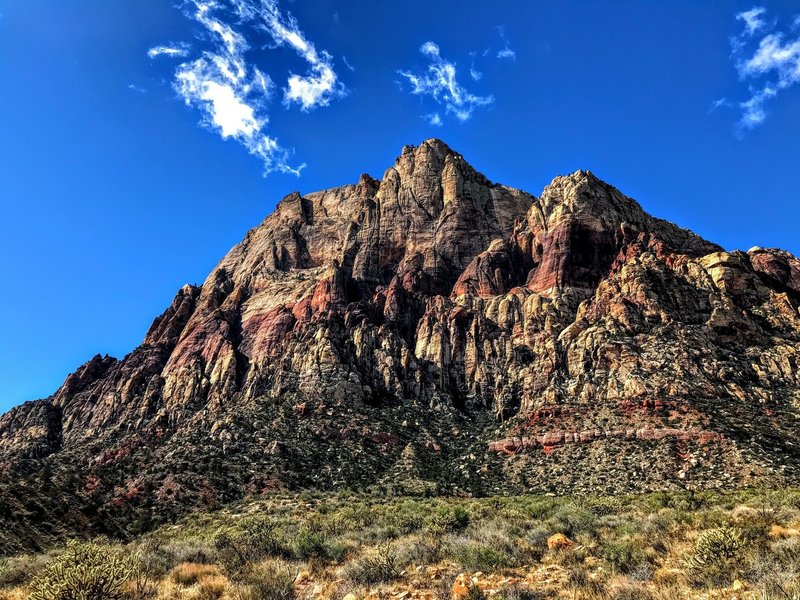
(569, 342)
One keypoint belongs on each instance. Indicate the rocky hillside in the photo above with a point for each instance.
(429, 332)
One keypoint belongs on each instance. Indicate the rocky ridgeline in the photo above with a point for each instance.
(548, 441)
(431, 308)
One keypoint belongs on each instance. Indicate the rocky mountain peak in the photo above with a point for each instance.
(566, 342)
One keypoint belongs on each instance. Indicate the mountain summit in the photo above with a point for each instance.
(429, 332)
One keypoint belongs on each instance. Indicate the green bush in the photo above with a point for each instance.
(157, 558)
(311, 544)
(590, 586)
(447, 519)
(18, 571)
(624, 556)
(85, 571)
(258, 540)
(272, 580)
(573, 519)
(477, 557)
(381, 567)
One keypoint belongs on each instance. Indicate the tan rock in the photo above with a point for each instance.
(559, 541)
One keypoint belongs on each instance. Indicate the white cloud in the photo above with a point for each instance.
(752, 19)
(774, 55)
(769, 62)
(434, 119)
(171, 50)
(507, 54)
(231, 92)
(720, 103)
(753, 112)
(475, 74)
(135, 88)
(317, 87)
(430, 49)
(440, 83)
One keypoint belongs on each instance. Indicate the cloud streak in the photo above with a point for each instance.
(231, 92)
(180, 50)
(768, 59)
(439, 82)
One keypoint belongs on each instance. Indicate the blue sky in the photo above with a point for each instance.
(127, 170)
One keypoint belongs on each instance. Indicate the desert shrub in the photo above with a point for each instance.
(259, 539)
(407, 518)
(211, 588)
(474, 556)
(659, 529)
(573, 519)
(716, 556)
(85, 571)
(309, 544)
(776, 571)
(447, 519)
(507, 539)
(18, 571)
(156, 558)
(271, 580)
(624, 555)
(588, 584)
(422, 550)
(630, 592)
(570, 557)
(187, 574)
(474, 593)
(603, 506)
(379, 567)
(518, 592)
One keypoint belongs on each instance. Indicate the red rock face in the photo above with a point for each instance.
(431, 301)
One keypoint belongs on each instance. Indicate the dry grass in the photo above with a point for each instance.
(187, 574)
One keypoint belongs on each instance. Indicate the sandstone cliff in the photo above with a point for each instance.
(429, 332)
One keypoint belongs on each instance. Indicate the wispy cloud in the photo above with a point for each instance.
(719, 103)
(180, 50)
(768, 59)
(505, 53)
(135, 88)
(440, 83)
(231, 91)
(434, 119)
(752, 19)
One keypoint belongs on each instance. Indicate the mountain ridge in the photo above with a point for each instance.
(429, 332)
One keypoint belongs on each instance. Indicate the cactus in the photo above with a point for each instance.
(716, 554)
(85, 571)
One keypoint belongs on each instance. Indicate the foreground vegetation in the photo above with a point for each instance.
(664, 546)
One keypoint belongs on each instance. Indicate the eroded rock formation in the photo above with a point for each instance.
(432, 330)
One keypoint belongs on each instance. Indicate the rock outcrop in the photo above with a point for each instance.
(427, 331)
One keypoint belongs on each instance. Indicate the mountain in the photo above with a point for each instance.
(429, 332)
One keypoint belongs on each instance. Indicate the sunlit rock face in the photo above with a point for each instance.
(566, 343)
